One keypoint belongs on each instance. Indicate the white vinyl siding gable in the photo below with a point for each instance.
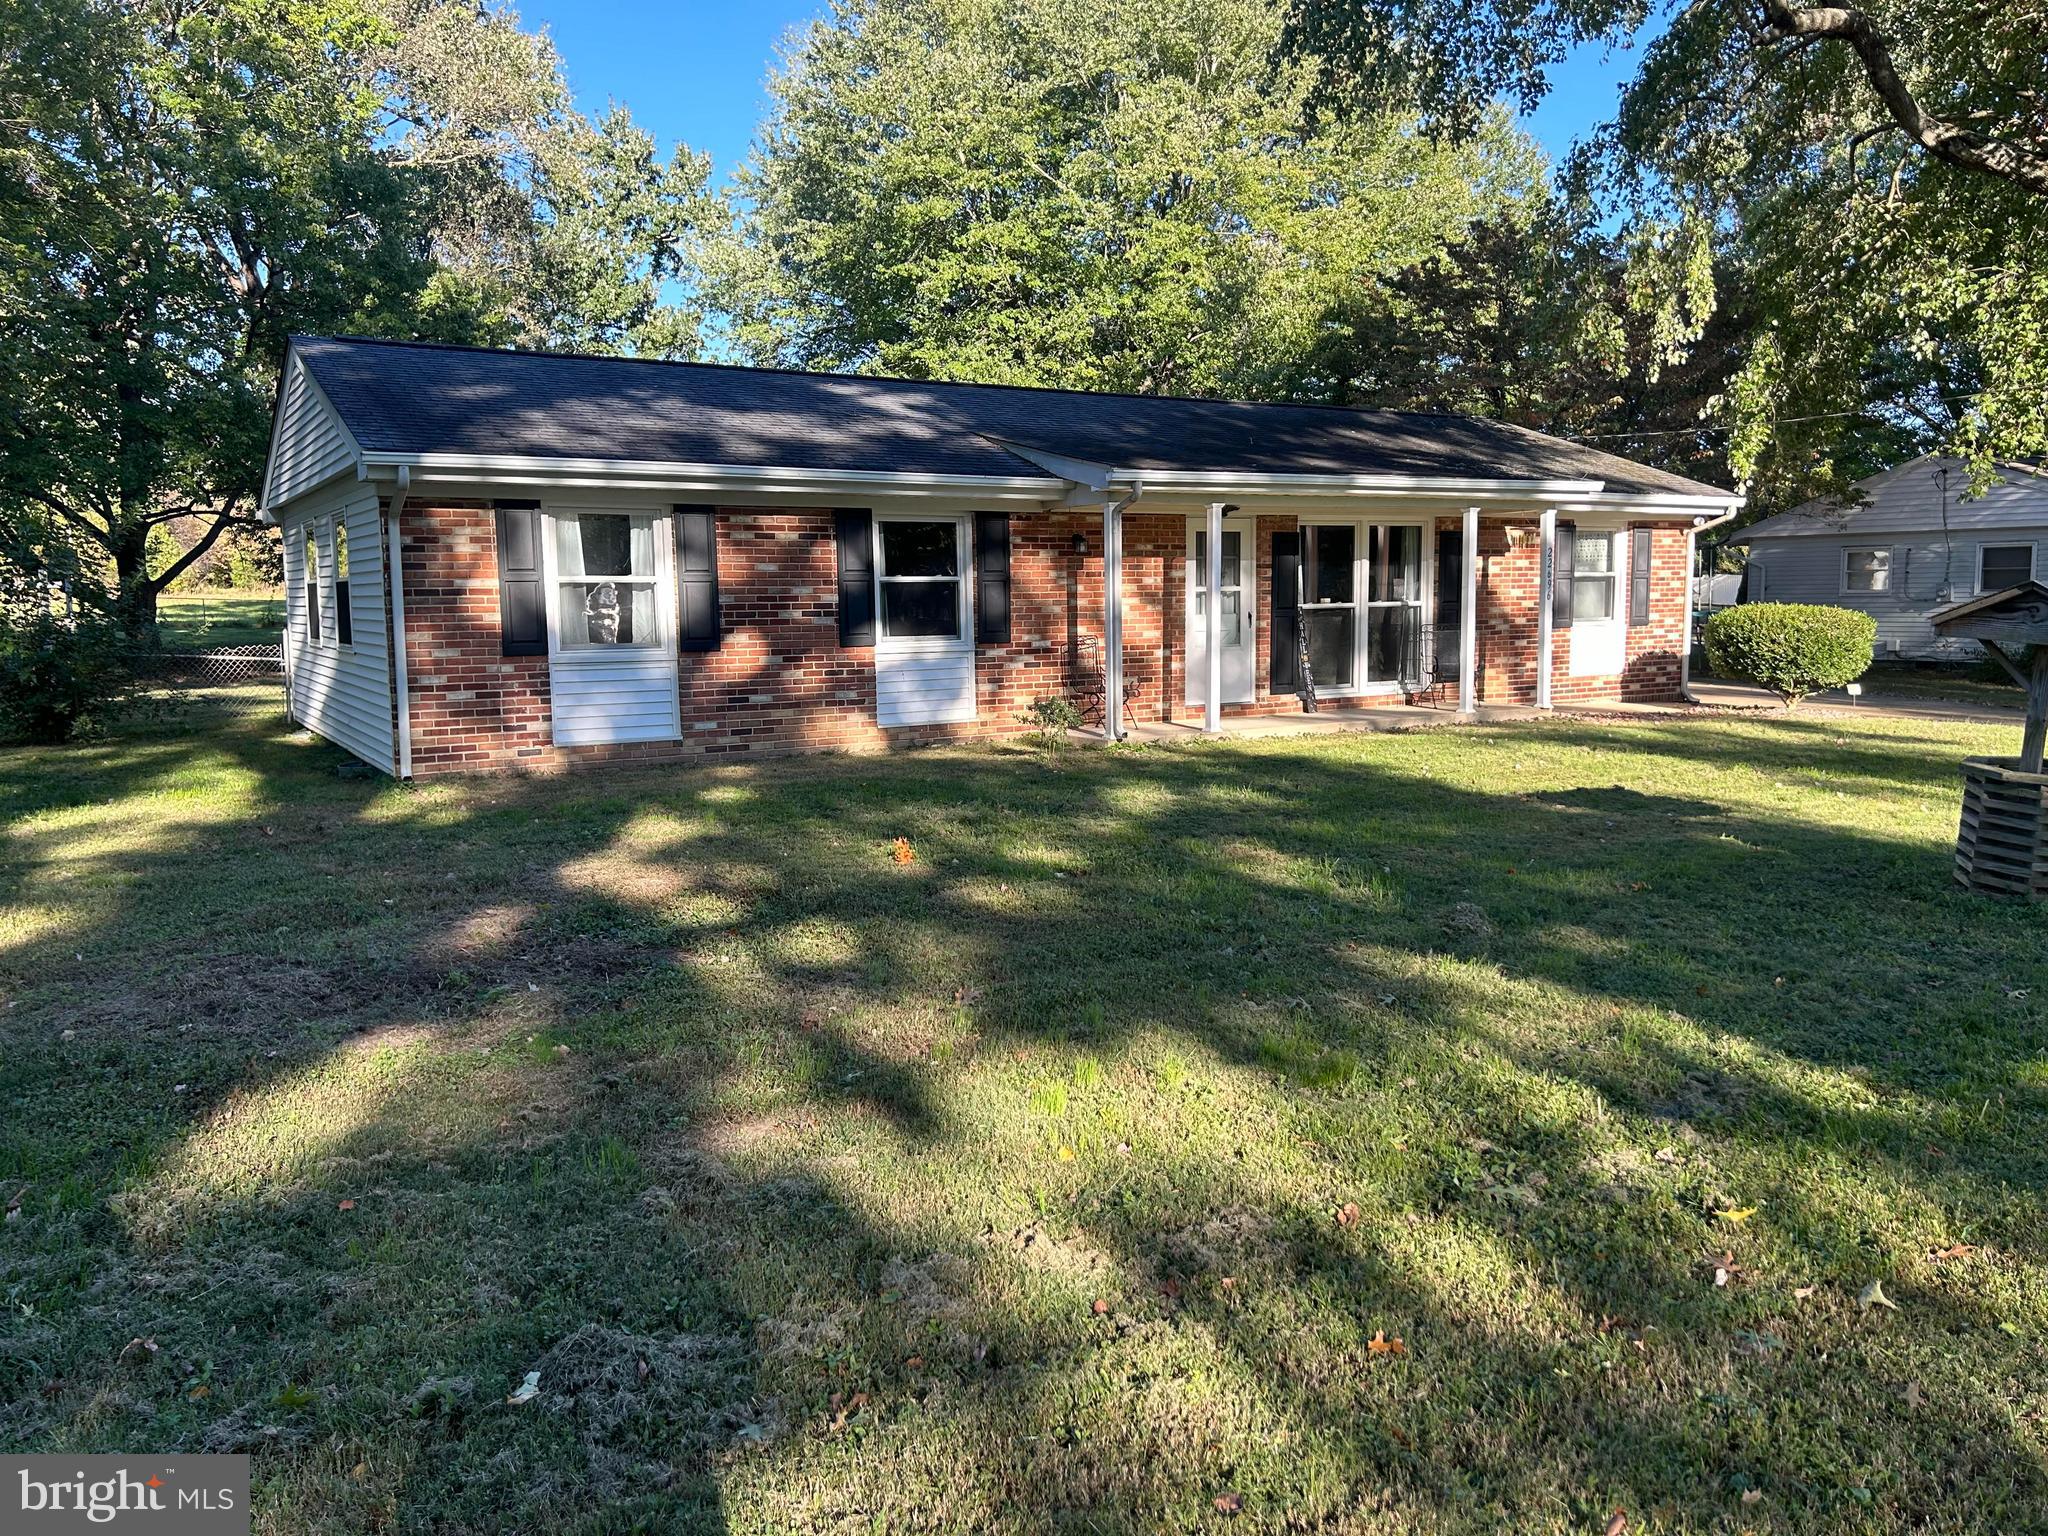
(341, 692)
(309, 446)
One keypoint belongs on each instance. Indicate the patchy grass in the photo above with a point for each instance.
(1075, 1175)
(208, 618)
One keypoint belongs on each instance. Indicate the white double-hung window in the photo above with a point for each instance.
(919, 578)
(1594, 578)
(606, 584)
(1866, 570)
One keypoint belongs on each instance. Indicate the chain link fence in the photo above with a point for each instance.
(217, 667)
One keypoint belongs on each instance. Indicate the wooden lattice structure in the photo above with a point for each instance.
(2002, 844)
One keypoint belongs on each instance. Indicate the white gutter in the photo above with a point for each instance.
(1158, 482)
(532, 470)
(401, 680)
(1685, 651)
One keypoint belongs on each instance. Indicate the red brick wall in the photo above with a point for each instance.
(780, 681)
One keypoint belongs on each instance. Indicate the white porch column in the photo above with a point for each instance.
(1212, 583)
(1546, 590)
(1113, 621)
(1468, 616)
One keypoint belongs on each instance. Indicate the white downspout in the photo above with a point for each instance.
(1468, 617)
(394, 563)
(1212, 585)
(1113, 615)
(1545, 596)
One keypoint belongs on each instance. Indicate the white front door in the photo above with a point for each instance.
(1239, 586)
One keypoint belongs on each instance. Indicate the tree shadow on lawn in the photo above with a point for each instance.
(792, 1105)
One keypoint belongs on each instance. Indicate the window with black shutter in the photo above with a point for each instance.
(522, 593)
(854, 530)
(697, 578)
(991, 578)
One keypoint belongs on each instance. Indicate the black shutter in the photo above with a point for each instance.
(1563, 558)
(1639, 578)
(697, 578)
(522, 597)
(854, 528)
(1284, 665)
(991, 578)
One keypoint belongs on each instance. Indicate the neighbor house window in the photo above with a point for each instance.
(605, 580)
(1866, 570)
(2004, 565)
(309, 573)
(919, 578)
(344, 620)
(1593, 578)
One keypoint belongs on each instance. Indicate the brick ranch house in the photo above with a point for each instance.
(521, 560)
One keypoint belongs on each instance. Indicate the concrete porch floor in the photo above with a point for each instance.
(1379, 717)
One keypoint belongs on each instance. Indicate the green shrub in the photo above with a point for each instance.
(1793, 649)
(59, 673)
(1050, 719)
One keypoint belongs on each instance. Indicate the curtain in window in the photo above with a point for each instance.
(600, 611)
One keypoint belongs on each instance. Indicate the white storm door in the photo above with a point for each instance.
(1599, 605)
(924, 636)
(1239, 583)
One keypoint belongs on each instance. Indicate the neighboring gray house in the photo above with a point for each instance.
(1913, 544)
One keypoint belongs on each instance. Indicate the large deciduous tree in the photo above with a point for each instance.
(1868, 179)
(1131, 195)
(183, 183)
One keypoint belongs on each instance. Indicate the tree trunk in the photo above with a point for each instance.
(134, 592)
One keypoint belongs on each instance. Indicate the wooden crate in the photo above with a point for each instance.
(2002, 846)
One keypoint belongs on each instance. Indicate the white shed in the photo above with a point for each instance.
(1916, 542)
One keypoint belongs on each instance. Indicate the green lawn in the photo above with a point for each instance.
(206, 619)
(1060, 1179)
(1957, 684)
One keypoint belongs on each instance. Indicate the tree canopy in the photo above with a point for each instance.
(182, 185)
(1128, 196)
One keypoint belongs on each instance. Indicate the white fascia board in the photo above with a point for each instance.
(1644, 504)
(513, 469)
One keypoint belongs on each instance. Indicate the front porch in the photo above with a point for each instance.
(1376, 717)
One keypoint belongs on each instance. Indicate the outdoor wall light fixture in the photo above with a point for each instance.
(1080, 543)
(1518, 535)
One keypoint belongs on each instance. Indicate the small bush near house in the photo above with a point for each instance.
(1050, 719)
(1793, 649)
(58, 673)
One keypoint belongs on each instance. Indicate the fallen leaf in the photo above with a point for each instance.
(1727, 1270)
(1231, 1503)
(902, 852)
(1066, 1154)
(1100, 1307)
(528, 1389)
(1737, 1215)
(1616, 1523)
(1347, 1214)
(914, 1363)
(1380, 1344)
(1752, 1495)
(1912, 1394)
(1952, 1251)
(1872, 1295)
(345, 1205)
(1801, 1292)
(1666, 1154)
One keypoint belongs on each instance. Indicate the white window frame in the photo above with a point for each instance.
(1617, 612)
(2029, 545)
(963, 613)
(337, 530)
(1885, 550)
(662, 581)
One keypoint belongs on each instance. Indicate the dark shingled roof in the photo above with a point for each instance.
(414, 397)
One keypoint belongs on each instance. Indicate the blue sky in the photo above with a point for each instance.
(694, 71)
